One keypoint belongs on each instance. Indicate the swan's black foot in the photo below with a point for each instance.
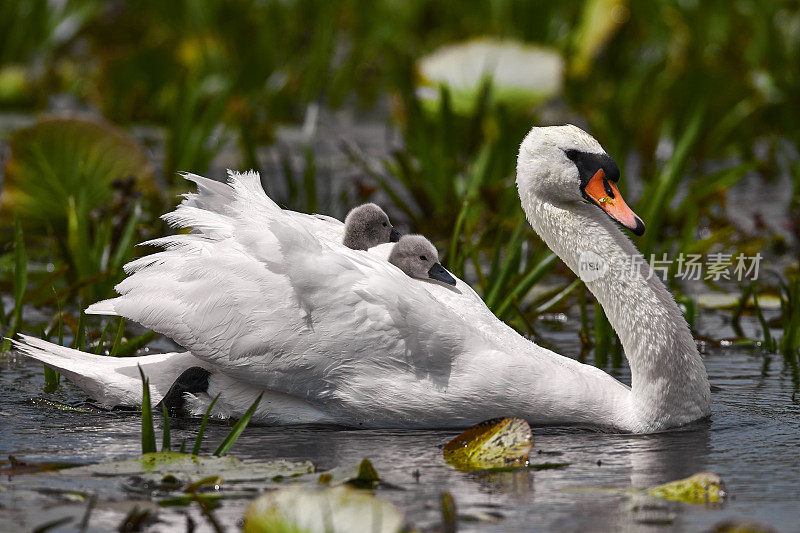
(192, 380)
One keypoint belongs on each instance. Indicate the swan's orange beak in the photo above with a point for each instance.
(606, 195)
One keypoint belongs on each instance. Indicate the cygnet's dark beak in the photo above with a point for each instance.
(395, 235)
(439, 273)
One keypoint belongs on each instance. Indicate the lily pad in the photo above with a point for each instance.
(705, 487)
(521, 74)
(330, 510)
(61, 158)
(496, 443)
(191, 468)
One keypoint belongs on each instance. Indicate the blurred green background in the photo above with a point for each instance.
(418, 105)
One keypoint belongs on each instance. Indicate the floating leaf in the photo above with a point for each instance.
(332, 510)
(496, 443)
(362, 475)
(190, 469)
(15, 467)
(705, 487)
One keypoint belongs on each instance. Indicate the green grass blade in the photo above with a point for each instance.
(226, 444)
(126, 241)
(99, 349)
(558, 297)
(666, 184)
(769, 342)
(148, 434)
(585, 332)
(165, 444)
(199, 440)
(509, 265)
(80, 335)
(526, 284)
(20, 271)
(20, 282)
(118, 338)
(790, 343)
(130, 347)
(449, 514)
(740, 307)
(452, 262)
(60, 324)
(602, 336)
(51, 380)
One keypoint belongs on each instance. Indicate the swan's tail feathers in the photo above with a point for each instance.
(111, 381)
(106, 307)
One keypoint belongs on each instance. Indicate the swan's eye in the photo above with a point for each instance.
(422, 257)
(385, 224)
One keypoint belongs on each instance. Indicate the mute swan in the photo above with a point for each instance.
(366, 226)
(267, 300)
(418, 258)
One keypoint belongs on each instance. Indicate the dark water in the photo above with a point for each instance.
(752, 441)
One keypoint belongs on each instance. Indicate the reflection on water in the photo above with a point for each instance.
(752, 442)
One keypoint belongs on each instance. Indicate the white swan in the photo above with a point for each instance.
(269, 300)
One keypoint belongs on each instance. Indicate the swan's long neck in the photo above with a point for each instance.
(669, 385)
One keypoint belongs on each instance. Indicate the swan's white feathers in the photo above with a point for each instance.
(111, 381)
(105, 307)
(269, 303)
(212, 225)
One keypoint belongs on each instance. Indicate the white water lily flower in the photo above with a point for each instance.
(521, 74)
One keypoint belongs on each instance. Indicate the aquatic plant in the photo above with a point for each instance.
(336, 509)
(790, 317)
(64, 177)
(14, 317)
(702, 488)
(495, 443)
(148, 433)
(62, 162)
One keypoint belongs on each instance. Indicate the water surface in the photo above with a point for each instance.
(752, 441)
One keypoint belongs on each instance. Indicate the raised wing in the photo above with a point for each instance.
(216, 197)
(256, 293)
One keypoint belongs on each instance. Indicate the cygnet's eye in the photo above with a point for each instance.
(385, 224)
(422, 257)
